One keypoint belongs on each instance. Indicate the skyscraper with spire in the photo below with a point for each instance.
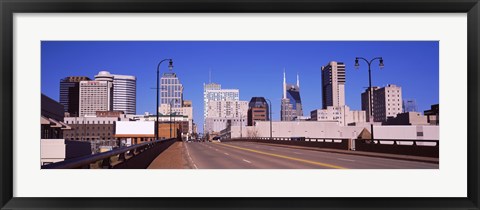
(291, 105)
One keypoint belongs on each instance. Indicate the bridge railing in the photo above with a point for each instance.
(417, 147)
(135, 156)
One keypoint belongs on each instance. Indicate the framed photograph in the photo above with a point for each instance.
(239, 105)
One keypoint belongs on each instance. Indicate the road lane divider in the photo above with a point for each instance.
(246, 161)
(282, 156)
(190, 157)
(346, 159)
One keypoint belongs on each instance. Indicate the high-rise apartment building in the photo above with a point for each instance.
(69, 94)
(257, 110)
(291, 104)
(95, 96)
(124, 91)
(171, 90)
(387, 102)
(333, 84)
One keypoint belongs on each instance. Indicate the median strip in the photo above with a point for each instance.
(283, 156)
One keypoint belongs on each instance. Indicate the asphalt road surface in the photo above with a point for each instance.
(250, 155)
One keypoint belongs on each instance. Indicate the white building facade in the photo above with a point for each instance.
(221, 114)
(217, 124)
(227, 109)
(214, 92)
(342, 114)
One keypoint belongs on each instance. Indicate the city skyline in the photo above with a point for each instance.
(255, 68)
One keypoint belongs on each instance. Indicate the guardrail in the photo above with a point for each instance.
(135, 156)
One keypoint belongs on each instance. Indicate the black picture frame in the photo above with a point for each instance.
(10, 7)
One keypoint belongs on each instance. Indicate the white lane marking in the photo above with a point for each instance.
(225, 153)
(190, 157)
(345, 159)
(298, 153)
(246, 161)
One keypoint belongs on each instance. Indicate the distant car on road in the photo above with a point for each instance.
(216, 138)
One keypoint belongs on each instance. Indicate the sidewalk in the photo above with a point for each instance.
(172, 158)
(370, 154)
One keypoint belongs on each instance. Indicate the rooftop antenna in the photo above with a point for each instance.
(284, 84)
(210, 75)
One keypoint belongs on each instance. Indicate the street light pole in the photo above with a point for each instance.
(381, 65)
(171, 116)
(241, 125)
(270, 109)
(170, 66)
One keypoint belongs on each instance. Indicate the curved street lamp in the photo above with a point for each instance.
(170, 66)
(381, 65)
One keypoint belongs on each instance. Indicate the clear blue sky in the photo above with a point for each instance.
(253, 67)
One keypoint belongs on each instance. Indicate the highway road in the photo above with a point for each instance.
(250, 155)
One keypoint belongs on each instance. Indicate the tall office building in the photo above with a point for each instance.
(95, 96)
(333, 97)
(69, 94)
(409, 105)
(387, 102)
(291, 104)
(257, 110)
(171, 90)
(124, 91)
(333, 84)
(214, 92)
